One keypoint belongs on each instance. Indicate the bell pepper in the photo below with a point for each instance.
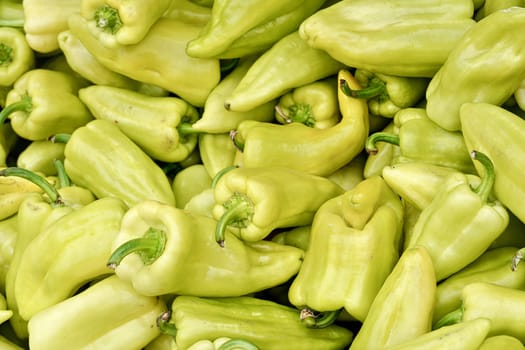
(8, 234)
(502, 306)
(388, 94)
(189, 182)
(493, 41)
(121, 22)
(109, 314)
(395, 37)
(99, 156)
(12, 14)
(314, 151)
(420, 139)
(350, 174)
(494, 266)
(156, 124)
(43, 20)
(39, 156)
(217, 152)
(501, 342)
(402, 309)
(216, 118)
(189, 11)
(240, 28)
(44, 102)
(16, 57)
(498, 133)
(293, 61)
(264, 323)
(461, 222)
(354, 244)
(252, 202)
(161, 249)
(314, 104)
(192, 79)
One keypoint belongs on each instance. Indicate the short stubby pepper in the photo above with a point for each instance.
(161, 249)
(252, 202)
(355, 242)
(16, 57)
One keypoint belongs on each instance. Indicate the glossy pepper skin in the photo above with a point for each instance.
(39, 156)
(252, 202)
(122, 22)
(402, 309)
(354, 245)
(423, 34)
(499, 134)
(176, 254)
(489, 42)
(16, 57)
(99, 156)
(461, 222)
(192, 79)
(264, 323)
(310, 150)
(108, 314)
(44, 102)
(156, 124)
(239, 28)
(293, 61)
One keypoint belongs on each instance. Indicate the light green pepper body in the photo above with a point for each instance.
(16, 57)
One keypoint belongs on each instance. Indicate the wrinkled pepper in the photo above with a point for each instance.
(499, 134)
(240, 28)
(314, 151)
(156, 124)
(264, 323)
(99, 156)
(388, 94)
(498, 342)
(108, 314)
(44, 102)
(491, 42)
(161, 249)
(16, 57)
(395, 37)
(420, 139)
(355, 242)
(461, 222)
(39, 156)
(402, 309)
(170, 67)
(252, 202)
(314, 104)
(122, 22)
(217, 152)
(189, 182)
(293, 61)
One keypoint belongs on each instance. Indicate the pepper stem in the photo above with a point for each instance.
(149, 247)
(517, 258)
(186, 129)
(318, 320)
(220, 173)
(238, 144)
(63, 179)
(6, 55)
(240, 344)
(487, 181)
(25, 104)
(164, 324)
(299, 113)
(107, 18)
(380, 136)
(60, 138)
(376, 87)
(38, 180)
(452, 317)
(239, 211)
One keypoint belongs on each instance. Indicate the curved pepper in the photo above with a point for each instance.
(156, 124)
(165, 250)
(16, 57)
(354, 244)
(491, 42)
(396, 37)
(264, 323)
(252, 202)
(313, 151)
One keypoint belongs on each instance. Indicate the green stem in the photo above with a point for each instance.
(38, 180)
(186, 129)
(299, 113)
(319, 320)
(60, 138)
(487, 181)
(107, 18)
(233, 136)
(6, 55)
(241, 344)
(164, 325)
(452, 317)
(25, 104)
(220, 173)
(517, 258)
(149, 247)
(63, 179)
(239, 211)
(380, 136)
(376, 87)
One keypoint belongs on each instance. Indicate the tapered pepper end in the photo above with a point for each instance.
(516, 259)
(376, 87)
(235, 139)
(107, 18)
(452, 317)
(318, 320)
(38, 180)
(238, 344)
(149, 247)
(25, 104)
(239, 212)
(164, 325)
(370, 145)
(487, 181)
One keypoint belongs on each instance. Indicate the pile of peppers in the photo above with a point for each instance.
(262, 175)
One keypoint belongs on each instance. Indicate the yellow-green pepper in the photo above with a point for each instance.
(189, 182)
(498, 342)
(189, 11)
(217, 152)
(8, 235)
(16, 57)
(12, 13)
(39, 156)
